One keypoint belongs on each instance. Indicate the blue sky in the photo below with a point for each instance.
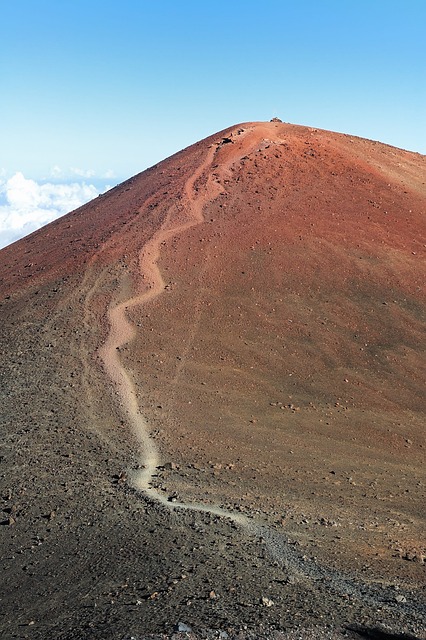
(95, 91)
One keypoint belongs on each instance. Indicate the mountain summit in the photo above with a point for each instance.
(213, 381)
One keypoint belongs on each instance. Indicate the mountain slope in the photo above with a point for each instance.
(216, 370)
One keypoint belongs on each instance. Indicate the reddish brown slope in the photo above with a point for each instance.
(303, 287)
(281, 367)
(100, 227)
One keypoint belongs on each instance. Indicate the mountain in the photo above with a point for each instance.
(213, 397)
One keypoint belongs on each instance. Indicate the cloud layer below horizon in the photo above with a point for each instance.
(27, 205)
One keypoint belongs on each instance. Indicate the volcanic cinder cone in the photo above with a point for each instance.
(213, 392)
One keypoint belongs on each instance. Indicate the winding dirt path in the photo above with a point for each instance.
(122, 332)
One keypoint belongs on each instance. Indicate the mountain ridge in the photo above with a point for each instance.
(92, 207)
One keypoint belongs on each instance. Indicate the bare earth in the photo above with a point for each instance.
(213, 399)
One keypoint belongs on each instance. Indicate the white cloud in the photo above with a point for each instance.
(26, 205)
(56, 172)
(83, 173)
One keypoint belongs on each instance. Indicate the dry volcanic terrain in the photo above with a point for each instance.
(212, 399)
